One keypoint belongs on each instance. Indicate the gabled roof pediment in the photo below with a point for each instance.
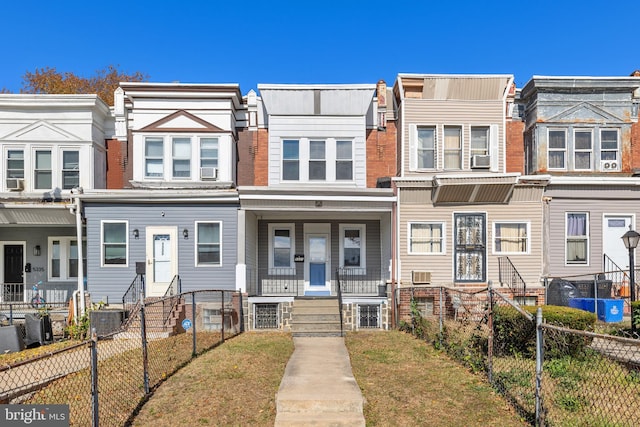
(181, 121)
(585, 112)
(41, 131)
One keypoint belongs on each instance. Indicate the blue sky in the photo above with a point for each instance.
(250, 42)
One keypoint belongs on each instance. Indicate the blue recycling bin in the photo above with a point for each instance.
(576, 303)
(610, 310)
(589, 304)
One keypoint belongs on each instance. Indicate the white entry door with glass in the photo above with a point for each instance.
(161, 256)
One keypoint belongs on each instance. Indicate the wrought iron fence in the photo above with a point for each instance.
(551, 375)
(361, 281)
(105, 379)
(274, 281)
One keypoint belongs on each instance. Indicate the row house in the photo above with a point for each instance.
(318, 215)
(52, 146)
(463, 214)
(172, 210)
(583, 132)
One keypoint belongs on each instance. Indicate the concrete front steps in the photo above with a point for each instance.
(316, 317)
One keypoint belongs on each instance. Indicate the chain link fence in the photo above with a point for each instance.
(107, 378)
(550, 374)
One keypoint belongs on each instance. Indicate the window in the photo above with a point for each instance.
(15, 164)
(42, 172)
(582, 147)
(609, 144)
(511, 237)
(368, 316)
(282, 248)
(352, 246)
(317, 161)
(208, 243)
(479, 141)
(426, 238)
(344, 161)
(114, 243)
(452, 147)
(290, 160)
(181, 157)
(209, 153)
(557, 149)
(63, 258)
(153, 154)
(426, 148)
(70, 169)
(577, 243)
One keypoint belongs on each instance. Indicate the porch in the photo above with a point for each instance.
(286, 282)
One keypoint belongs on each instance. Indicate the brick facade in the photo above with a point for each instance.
(246, 154)
(515, 147)
(381, 154)
(261, 158)
(115, 165)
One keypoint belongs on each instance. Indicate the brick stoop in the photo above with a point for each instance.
(316, 317)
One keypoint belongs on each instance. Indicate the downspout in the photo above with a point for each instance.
(394, 206)
(80, 310)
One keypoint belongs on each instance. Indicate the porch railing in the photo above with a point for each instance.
(171, 298)
(131, 298)
(339, 291)
(274, 282)
(12, 292)
(508, 275)
(361, 281)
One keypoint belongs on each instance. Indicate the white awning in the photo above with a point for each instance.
(55, 215)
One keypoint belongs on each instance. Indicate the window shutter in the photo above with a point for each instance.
(413, 147)
(494, 148)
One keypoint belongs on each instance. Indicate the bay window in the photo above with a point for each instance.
(42, 171)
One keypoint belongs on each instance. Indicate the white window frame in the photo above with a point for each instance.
(443, 239)
(577, 150)
(6, 162)
(322, 159)
(204, 159)
(458, 150)
(102, 243)
(331, 160)
(63, 170)
(291, 270)
(608, 150)
(147, 158)
(527, 224)
(196, 243)
(486, 151)
(35, 152)
(556, 150)
(362, 228)
(586, 238)
(420, 149)
(344, 160)
(174, 157)
(65, 252)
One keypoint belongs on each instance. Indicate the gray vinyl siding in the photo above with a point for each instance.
(596, 201)
(414, 209)
(455, 113)
(113, 281)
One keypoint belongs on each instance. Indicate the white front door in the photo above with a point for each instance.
(317, 273)
(612, 245)
(162, 259)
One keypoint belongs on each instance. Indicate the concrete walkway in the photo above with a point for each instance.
(318, 387)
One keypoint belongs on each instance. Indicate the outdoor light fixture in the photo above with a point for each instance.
(36, 250)
(136, 233)
(185, 233)
(631, 239)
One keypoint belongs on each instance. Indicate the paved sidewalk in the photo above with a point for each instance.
(318, 387)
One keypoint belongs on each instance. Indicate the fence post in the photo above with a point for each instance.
(145, 355)
(441, 316)
(193, 323)
(539, 359)
(94, 378)
(490, 338)
(223, 313)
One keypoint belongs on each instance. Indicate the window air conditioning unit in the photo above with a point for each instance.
(208, 173)
(421, 277)
(15, 184)
(609, 165)
(480, 162)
